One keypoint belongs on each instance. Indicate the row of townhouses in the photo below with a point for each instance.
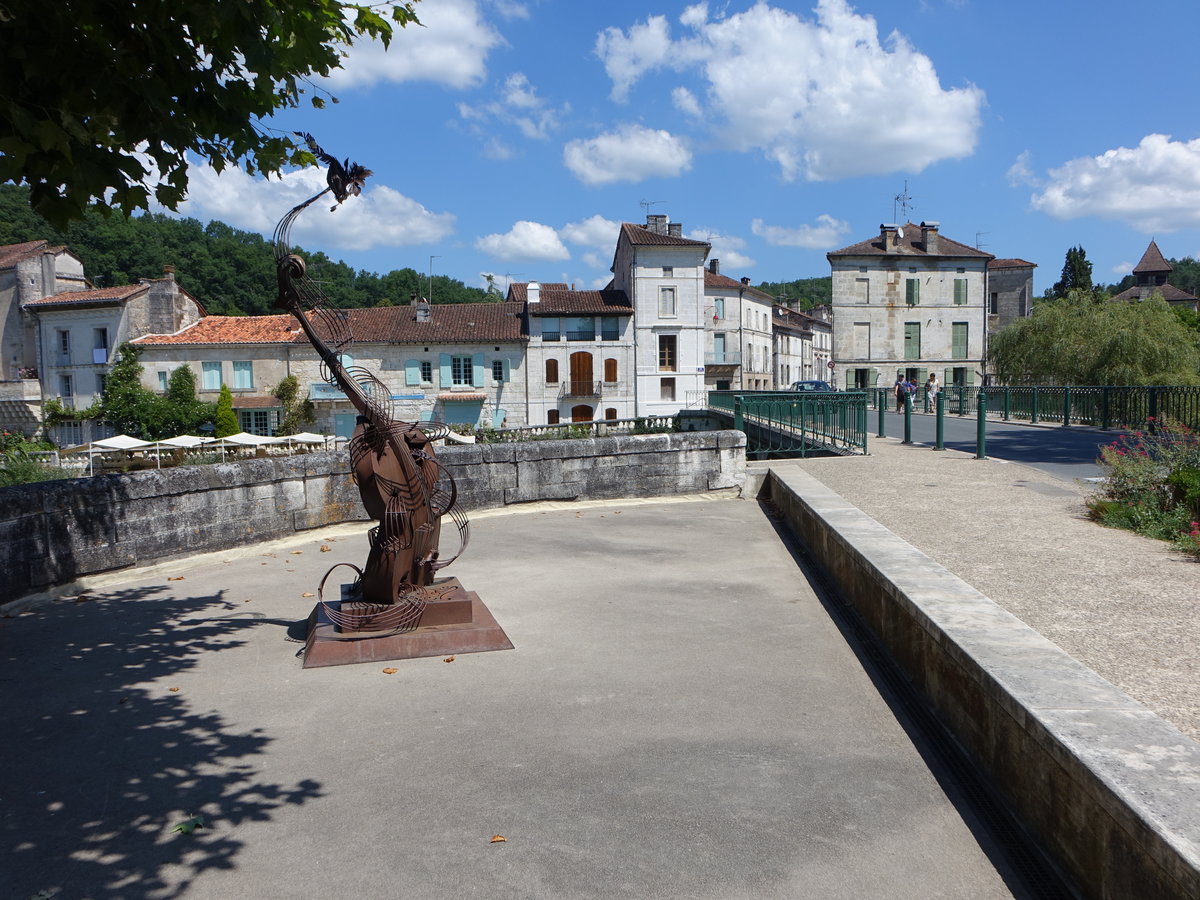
(668, 328)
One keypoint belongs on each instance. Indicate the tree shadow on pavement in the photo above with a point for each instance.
(102, 759)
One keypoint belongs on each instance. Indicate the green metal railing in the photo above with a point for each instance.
(797, 424)
(1096, 405)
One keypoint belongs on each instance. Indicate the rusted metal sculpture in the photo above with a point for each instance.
(388, 611)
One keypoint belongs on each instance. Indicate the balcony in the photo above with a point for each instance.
(572, 390)
(728, 358)
(320, 390)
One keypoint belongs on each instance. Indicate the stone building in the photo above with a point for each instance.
(738, 335)
(909, 300)
(1150, 277)
(1010, 292)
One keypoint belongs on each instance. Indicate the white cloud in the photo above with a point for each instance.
(1020, 172)
(594, 232)
(380, 217)
(685, 101)
(826, 99)
(726, 248)
(825, 234)
(1154, 187)
(450, 47)
(518, 104)
(511, 9)
(526, 240)
(631, 153)
(1123, 268)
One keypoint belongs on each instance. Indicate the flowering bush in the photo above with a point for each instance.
(1153, 484)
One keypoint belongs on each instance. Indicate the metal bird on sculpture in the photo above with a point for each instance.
(344, 178)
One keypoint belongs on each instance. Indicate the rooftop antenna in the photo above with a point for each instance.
(979, 245)
(903, 204)
(646, 204)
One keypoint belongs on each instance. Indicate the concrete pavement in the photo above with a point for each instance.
(680, 718)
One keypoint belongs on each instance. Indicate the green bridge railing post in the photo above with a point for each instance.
(962, 399)
(1066, 406)
(1033, 413)
(1153, 414)
(939, 441)
(882, 408)
(1105, 419)
(981, 428)
(1007, 404)
(738, 424)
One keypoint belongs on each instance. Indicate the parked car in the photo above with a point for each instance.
(811, 386)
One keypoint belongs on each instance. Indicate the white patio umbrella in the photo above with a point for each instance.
(181, 442)
(120, 442)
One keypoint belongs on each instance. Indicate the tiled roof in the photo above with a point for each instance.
(1152, 261)
(1010, 264)
(581, 303)
(1169, 292)
(461, 397)
(116, 294)
(641, 235)
(12, 254)
(519, 290)
(257, 402)
(449, 323)
(724, 282)
(910, 245)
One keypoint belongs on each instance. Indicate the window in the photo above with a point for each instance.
(912, 340)
(719, 348)
(668, 271)
(960, 270)
(66, 390)
(550, 329)
(960, 291)
(666, 302)
(101, 384)
(994, 304)
(581, 329)
(162, 381)
(958, 343)
(552, 417)
(719, 308)
(552, 372)
(259, 421)
(243, 376)
(426, 372)
(64, 347)
(498, 370)
(912, 291)
(610, 328)
(460, 371)
(610, 413)
(99, 346)
(610, 370)
(667, 352)
(210, 376)
(666, 389)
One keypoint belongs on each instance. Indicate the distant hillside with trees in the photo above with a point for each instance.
(231, 272)
(809, 291)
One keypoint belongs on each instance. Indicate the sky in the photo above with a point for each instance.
(512, 137)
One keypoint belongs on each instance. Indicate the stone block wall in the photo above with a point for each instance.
(55, 532)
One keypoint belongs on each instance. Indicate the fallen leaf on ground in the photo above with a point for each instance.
(297, 552)
(173, 690)
(325, 548)
(307, 594)
(579, 515)
(448, 659)
(174, 578)
(272, 555)
(498, 839)
(390, 670)
(187, 826)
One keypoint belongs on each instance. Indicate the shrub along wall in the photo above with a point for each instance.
(54, 532)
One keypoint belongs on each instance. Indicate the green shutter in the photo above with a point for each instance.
(445, 364)
(912, 340)
(874, 378)
(970, 374)
(960, 291)
(412, 371)
(477, 371)
(947, 378)
(912, 291)
(958, 348)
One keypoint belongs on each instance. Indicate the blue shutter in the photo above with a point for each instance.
(447, 372)
(507, 372)
(477, 372)
(412, 371)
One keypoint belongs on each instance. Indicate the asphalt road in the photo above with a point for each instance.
(1067, 453)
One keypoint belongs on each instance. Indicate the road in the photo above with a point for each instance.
(1067, 453)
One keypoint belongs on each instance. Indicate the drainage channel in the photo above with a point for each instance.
(1018, 853)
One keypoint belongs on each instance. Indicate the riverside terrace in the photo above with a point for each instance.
(686, 722)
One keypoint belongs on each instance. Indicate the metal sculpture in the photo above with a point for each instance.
(403, 487)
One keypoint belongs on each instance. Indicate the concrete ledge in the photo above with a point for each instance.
(1112, 790)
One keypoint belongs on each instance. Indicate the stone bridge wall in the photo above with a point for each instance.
(55, 532)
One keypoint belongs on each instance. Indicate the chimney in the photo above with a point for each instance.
(746, 281)
(656, 224)
(929, 236)
(888, 233)
(169, 271)
(714, 266)
(423, 310)
(533, 292)
(675, 229)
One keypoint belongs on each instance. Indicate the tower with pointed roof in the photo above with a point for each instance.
(1150, 277)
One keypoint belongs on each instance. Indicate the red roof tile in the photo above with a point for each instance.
(724, 282)
(581, 303)
(519, 290)
(909, 245)
(1152, 261)
(117, 294)
(12, 254)
(643, 236)
(1010, 264)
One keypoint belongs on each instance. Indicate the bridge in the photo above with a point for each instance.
(785, 423)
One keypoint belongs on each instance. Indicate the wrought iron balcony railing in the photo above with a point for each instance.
(573, 389)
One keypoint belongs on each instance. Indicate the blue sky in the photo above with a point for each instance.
(513, 136)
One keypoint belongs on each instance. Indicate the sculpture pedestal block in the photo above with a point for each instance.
(455, 623)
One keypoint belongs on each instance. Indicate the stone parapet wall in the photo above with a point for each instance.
(55, 532)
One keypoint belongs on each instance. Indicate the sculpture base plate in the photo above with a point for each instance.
(328, 645)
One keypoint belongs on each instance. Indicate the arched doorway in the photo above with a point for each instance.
(581, 413)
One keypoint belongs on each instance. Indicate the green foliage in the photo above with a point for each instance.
(225, 420)
(231, 272)
(1081, 341)
(18, 465)
(1153, 485)
(91, 90)
(1076, 274)
(297, 412)
(809, 291)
